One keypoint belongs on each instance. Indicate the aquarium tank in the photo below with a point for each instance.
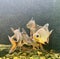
(14, 19)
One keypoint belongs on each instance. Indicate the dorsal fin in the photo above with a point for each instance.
(46, 26)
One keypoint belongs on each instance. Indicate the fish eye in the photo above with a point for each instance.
(37, 35)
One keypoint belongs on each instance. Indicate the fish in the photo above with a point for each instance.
(15, 43)
(39, 35)
(32, 26)
(42, 34)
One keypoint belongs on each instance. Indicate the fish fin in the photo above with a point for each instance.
(14, 44)
(38, 27)
(46, 26)
(13, 48)
(9, 37)
(51, 31)
(23, 31)
(12, 29)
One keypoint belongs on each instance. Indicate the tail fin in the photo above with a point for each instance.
(14, 45)
(12, 48)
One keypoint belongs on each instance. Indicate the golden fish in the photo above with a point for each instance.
(42, 35)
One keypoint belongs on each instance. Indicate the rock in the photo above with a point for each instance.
(42, 57)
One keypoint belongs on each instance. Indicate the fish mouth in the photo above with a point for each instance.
(45, 43)
(36, 40)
